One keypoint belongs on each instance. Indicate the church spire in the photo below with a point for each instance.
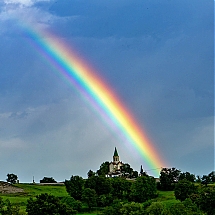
(115, 156)
(115, 152)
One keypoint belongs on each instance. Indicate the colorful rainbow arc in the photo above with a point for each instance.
(77, 71)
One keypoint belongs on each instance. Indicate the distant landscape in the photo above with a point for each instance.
(175, 192)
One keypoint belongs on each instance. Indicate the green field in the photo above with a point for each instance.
(32, 190)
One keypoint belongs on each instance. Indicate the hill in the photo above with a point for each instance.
(18, 194)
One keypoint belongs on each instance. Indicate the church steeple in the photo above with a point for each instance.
(115, 156)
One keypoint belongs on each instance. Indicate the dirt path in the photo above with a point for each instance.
(8, 188)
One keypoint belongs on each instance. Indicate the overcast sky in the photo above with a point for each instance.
(157, 55)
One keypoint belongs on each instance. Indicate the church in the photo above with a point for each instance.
(114, 166)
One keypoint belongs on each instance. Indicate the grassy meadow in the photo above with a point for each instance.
(32, 190)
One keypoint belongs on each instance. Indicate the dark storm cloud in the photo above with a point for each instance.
(159, 19)
(180, 49)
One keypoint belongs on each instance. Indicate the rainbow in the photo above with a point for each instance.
(81, 75)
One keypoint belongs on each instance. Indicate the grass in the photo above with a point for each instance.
(35, 189)
(166, 197)
(32, 190)
(87, 213)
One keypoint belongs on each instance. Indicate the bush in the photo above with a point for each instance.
(72, 203)
(132, 208)
(156, 208)
(191, 206)
(114, 209)
(183, 189)
(178, 209)
(46, 204)
(6, 208)
(48, 180)
(205, 200)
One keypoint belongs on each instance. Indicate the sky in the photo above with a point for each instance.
(156, 55)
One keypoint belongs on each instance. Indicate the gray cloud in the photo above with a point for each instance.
(158, 57)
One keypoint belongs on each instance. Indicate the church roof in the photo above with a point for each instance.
(115, 152)
(116, 162)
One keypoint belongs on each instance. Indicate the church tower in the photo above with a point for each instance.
(115, 165)
(115, 156)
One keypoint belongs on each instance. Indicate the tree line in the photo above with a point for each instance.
(117, 195)
(125, 195)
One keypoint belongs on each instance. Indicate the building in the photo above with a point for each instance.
(115, 165)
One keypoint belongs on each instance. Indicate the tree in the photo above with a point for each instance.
(168, 178)
(141, 170)
(183, 189)
(205, 199)
(198, 179)
(90, 173)
(103, 185)
(121, 188)
(46, 204)
(103, 188)
(48, 180)
(104, 200)
(75, 186)
(188, 176)
(126, 170)
(143, 189)
(104, 169)
(100, 184)
(205, 180)
(12, 178)
(90, 182)
(212, 176)
(89, 197)
(134, 174)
